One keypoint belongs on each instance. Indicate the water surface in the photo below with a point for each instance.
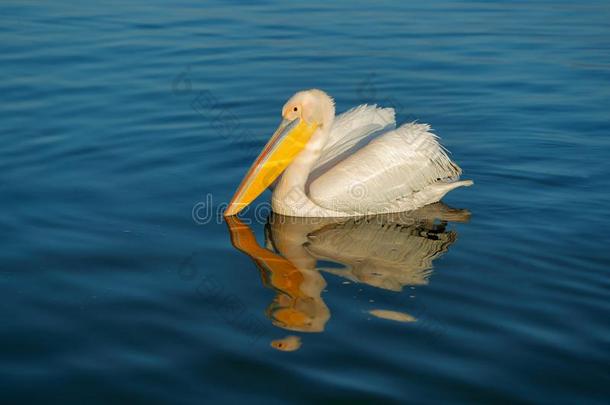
(119, 118)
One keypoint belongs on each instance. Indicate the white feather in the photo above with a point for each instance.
(401, 169)
(351, 130)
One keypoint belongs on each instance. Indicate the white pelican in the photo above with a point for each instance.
(326, 172)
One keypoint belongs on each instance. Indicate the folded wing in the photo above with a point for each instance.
(352, 130)
(394, 171)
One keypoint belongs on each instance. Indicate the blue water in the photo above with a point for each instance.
(119, 119)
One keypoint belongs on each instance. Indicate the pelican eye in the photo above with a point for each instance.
(295, 109)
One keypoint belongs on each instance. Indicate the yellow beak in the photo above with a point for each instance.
(287, 141)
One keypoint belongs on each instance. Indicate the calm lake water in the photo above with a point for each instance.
(120, 120)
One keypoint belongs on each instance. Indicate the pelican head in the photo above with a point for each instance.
(304, 114)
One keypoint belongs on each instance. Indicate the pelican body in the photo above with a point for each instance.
(355, 164)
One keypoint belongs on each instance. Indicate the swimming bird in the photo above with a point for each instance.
(358, 163)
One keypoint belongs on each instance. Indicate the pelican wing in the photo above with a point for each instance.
(351, 130)
(401, 169)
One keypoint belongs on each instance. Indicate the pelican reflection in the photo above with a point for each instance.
(388, 251)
